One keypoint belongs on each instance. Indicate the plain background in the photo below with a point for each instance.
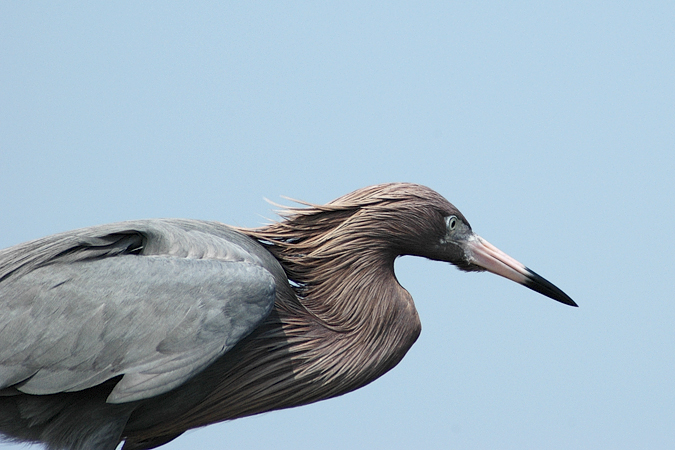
(550, 125)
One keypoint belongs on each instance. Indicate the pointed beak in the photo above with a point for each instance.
(481, 253)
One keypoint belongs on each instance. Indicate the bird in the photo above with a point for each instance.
(138, 331)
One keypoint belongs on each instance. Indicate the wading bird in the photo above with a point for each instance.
(139, 331)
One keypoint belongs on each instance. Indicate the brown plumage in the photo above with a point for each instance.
(340, 318)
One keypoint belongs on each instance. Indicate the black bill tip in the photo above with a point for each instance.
(540, 284)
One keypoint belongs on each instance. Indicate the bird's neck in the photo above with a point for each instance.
(355, 321)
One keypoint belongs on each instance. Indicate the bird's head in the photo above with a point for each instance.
(447, 236)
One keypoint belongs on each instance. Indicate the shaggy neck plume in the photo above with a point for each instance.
(357, 321)
(349, 320)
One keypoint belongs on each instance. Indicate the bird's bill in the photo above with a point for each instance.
(481, 253)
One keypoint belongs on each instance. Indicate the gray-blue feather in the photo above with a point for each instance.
(155, 301)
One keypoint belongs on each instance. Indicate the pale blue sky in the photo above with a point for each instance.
(551, 126)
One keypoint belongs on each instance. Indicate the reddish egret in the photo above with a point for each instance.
(139, 331)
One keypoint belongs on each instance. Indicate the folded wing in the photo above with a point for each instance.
(154, 302)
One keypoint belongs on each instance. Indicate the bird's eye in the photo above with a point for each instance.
(452, 222)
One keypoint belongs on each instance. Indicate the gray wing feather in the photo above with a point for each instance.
(154, 301)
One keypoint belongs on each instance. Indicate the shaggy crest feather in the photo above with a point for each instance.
(332, 252)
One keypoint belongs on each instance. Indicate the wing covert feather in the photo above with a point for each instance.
(155, 302)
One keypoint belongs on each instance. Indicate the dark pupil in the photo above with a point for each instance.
(452, 224)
